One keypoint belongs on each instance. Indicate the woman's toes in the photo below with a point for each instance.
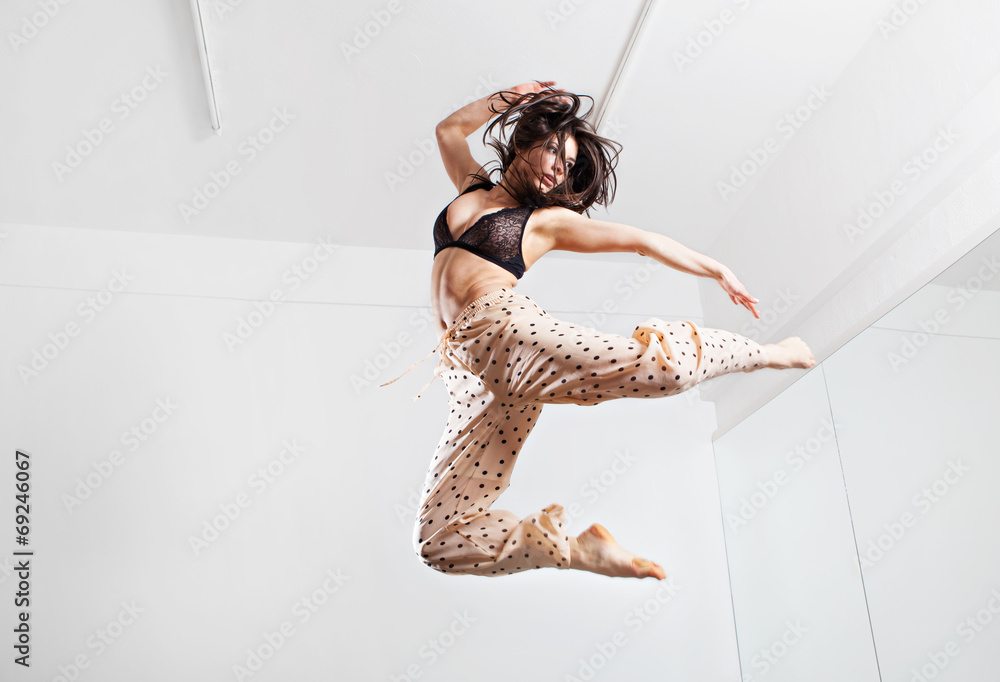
(645, 568)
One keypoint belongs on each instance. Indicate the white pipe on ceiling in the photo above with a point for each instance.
(622, 63)
(206, 71)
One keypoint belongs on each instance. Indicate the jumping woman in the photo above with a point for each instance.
(503, 357)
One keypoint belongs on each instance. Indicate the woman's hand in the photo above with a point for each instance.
(535, 86)
(737, 292)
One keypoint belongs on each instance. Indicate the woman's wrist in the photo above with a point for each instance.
(714, 268)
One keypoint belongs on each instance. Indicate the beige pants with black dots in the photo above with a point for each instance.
(503, 359)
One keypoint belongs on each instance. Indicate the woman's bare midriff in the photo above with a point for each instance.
(456, 282)
(459, 277)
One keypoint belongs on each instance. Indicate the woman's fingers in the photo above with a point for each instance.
(746, 301)
(738, 293)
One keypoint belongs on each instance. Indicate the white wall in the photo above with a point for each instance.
(797, 594)
(862, 499)
(916, 423)
(344, 504)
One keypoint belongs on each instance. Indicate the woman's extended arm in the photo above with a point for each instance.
(567, 230)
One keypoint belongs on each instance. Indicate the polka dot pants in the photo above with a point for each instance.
(503, 360)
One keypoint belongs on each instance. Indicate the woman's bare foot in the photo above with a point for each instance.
(595, 550)
(789, 353)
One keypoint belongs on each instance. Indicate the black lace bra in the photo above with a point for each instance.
(495, 236)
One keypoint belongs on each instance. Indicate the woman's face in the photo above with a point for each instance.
(543, 164)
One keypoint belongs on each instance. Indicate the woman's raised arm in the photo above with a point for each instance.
(474, 115)
(452, 131)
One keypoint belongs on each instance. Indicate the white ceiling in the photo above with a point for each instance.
(355, 116)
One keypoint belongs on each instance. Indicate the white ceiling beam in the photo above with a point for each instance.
(622, 64)
(199, 27)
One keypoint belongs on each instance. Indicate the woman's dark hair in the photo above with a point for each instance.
(536, 117)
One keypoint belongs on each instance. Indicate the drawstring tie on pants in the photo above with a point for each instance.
(470, 312)
(437, 370)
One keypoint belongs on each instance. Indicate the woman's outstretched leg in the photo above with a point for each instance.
(559, 362)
